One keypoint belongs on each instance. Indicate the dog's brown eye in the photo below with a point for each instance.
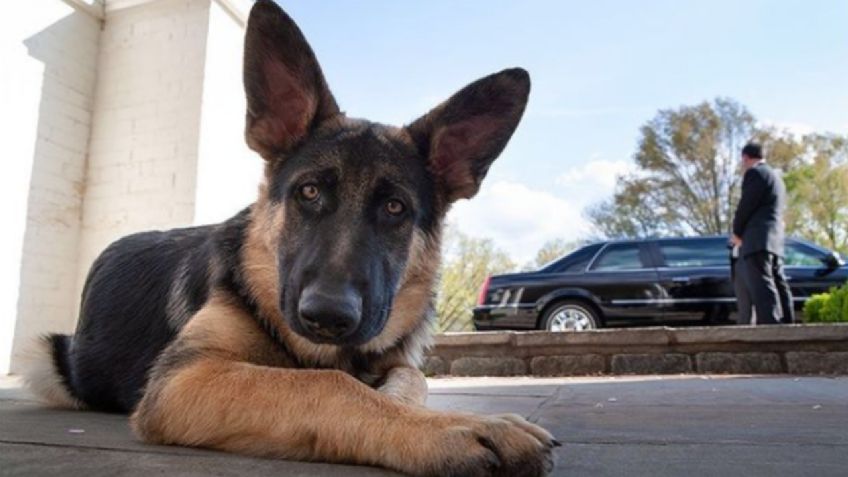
(394, 207)
(309, 192)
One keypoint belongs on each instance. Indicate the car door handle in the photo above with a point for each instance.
(681, 279)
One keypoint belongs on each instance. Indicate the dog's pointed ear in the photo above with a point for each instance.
(464, 135)
(287, 95)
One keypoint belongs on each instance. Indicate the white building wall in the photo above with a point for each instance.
(144, 143)
(49, 57)
(228, 173)
(114, 120)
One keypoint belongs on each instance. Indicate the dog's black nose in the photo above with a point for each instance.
(330, 312)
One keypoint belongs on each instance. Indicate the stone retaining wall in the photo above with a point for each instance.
(791, 349)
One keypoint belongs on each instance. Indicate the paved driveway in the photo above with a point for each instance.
(652, 426)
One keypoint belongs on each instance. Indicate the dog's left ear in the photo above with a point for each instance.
(464, 135)
(287, 95)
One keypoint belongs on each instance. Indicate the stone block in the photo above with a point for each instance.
(671, 363)
(569, 365)
(657, 336)
(488, 366)
(434, 366)
(761, 334)
(738, 363)
(807, 362)
(473, 338)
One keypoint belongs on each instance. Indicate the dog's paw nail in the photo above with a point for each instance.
(555, 443)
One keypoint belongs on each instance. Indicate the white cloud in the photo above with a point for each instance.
(597, 177)
(519, 218)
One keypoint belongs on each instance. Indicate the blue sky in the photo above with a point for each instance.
(599, 70)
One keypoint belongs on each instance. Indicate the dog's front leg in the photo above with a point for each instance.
(329, 416)
(301, 414)
(405, 384)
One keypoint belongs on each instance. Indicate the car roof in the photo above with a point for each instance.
(690, 237)
(603, 243)
(658, 239)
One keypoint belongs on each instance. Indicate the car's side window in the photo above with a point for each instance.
(694, 253)
(619, 257)
(800, 256)
(578, 265)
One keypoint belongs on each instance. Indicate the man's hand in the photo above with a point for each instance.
(736, 240)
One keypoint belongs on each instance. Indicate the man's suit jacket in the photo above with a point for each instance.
(758, 220)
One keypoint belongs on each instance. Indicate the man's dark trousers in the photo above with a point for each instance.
(768, 287)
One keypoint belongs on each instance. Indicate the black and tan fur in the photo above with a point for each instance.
(295, 329)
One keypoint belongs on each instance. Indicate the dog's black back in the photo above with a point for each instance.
(139, 293)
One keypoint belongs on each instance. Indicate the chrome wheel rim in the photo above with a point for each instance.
(571, 319)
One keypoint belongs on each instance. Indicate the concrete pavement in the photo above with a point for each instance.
(654, 426)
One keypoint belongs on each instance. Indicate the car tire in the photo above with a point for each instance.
(570, 316)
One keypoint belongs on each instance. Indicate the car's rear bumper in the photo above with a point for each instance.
(482, 319)
(506, 318)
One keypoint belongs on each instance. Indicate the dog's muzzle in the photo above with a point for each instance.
(330, 313)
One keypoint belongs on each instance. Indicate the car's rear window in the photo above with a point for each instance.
(574, 262)
(695, 253)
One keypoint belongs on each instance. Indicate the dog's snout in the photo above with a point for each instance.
(330, 312)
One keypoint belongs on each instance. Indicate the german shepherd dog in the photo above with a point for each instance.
(295, 329)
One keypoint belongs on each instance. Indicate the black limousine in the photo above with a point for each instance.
(669, 281)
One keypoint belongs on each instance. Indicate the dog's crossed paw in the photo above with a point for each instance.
(485, 446)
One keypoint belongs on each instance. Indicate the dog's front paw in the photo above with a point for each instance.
(477, 446)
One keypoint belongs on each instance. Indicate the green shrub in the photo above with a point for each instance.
(813, 307)
(827, 307)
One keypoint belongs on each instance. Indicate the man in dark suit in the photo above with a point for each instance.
(758, 230)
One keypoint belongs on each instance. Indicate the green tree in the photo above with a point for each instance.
(818, 192)
(635, 211)
(550, 251)
(687, 177)
(467, 263)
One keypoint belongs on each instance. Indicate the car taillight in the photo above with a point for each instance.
(484, 290)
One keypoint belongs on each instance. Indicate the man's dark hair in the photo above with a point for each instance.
(753, 150)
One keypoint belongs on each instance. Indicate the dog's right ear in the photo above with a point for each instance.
(287, 95)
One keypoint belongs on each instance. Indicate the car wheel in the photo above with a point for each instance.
(571, 316)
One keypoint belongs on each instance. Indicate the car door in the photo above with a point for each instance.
(694, 274)
(624, 280)
(806, 272)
